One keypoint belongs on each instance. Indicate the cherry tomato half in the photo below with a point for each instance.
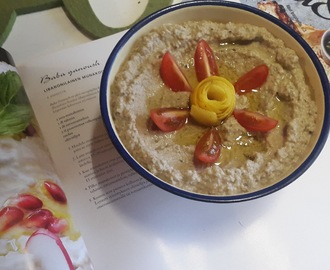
(169, 119)
(208, 147)
(172, 75)
(205, 64)
(253, 121)
(253, 79)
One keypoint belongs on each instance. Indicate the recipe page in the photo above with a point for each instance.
(65, 98)
(63, 89)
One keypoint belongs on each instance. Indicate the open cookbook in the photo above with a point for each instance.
(67, 198)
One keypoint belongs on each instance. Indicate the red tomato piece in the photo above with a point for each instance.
(205, 63)
(208, 147)
(172, 75)
(253, 121)
(253, 79)
(169, 119)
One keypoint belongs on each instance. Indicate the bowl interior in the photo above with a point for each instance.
(225, 12)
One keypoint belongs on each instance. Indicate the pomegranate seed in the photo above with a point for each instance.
(27, 202)
(39, 218)
(9, 216)
(55, 191)
(57, 225)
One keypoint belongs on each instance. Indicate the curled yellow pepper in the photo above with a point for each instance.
(212, 101)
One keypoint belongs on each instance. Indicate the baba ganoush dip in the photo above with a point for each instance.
(249, 160)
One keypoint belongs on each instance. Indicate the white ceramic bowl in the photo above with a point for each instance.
(222, 12)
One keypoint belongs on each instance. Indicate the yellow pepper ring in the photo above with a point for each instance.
(212, 101)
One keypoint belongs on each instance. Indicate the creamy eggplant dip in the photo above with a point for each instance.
(249, 160)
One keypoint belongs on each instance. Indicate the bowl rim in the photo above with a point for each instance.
(103, 99)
